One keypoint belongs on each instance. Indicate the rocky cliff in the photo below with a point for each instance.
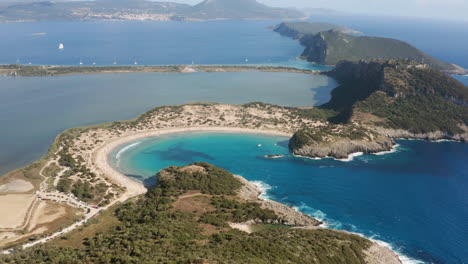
(338, 142)
(378, 101)
(289, 215)
(400, 95)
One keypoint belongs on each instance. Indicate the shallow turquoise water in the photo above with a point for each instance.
(414, 199)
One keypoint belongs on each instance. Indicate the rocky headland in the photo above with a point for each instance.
(329, 44)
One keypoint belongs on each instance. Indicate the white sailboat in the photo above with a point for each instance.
(136, 62)
(246, 60)
(61, 46)
(115, 62)
(81, 63)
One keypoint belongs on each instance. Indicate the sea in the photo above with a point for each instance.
(412, 199)
(415, 199)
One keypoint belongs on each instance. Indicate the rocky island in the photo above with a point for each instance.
(329, 44)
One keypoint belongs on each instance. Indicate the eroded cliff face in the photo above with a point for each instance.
(343, 149)
(379, 101)
(338, 142)
(316, 49)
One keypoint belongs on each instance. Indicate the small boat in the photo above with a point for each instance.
(94, 63)
(136, 62)
(115, 62)
(259, 145)
(61, 47)
(81, 63)
(246, 60)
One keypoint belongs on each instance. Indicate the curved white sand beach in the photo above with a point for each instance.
(134, 187)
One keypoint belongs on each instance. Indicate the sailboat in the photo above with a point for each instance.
(246, 60)
(81, 63)
(61, 47)
(115, 62)
(94, 63)
(136, 62)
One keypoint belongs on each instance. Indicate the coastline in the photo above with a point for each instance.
(378, 252)
(135, 188)
(57, 70)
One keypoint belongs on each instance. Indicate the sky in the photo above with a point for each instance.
(441, 9)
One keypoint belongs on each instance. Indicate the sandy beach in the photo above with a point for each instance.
(134, 187)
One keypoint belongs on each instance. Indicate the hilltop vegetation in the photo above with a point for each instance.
(330, 44)
(297, 30)
(403, 95)
(153, 230)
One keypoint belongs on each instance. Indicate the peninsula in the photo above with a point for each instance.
(329, 44)
(376, 102)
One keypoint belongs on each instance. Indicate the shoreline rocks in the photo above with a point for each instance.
(250, 192)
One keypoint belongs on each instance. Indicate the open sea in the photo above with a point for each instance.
(415, 199)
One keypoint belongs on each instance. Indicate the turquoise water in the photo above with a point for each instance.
(414, 199)
(33, 110)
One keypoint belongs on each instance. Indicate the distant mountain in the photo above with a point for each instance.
(240, 9)
(329, 47)
(141, 10)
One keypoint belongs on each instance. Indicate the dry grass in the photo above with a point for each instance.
(194, 202)
(102, 223)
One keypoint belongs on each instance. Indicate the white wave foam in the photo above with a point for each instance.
(264, 188)
(317, 214)
(304, 157)
(351, 157)
(393, 150)
(444, 140)
(332, 224)
(403, 258)
(119, 154)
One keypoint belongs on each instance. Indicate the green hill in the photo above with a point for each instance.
(169, 226)
(297, 30)
(330, 44)
(401, 95)
(331, 47)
